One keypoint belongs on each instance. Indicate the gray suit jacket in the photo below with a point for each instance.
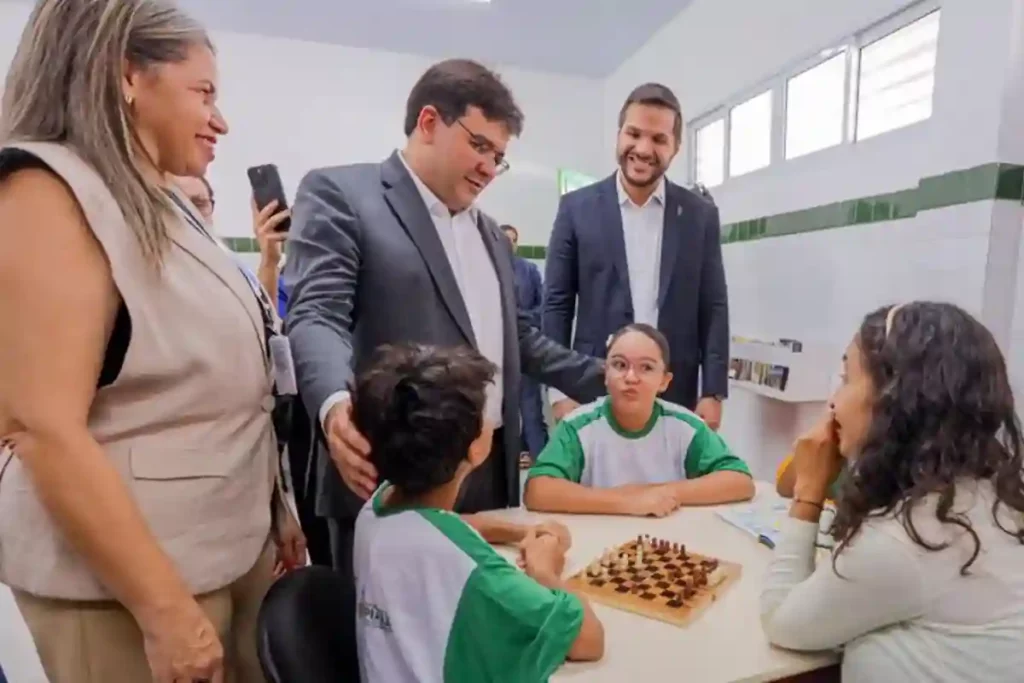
(367, 268)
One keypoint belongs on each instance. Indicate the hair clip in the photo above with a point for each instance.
(890, 316)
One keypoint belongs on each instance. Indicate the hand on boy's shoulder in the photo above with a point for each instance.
(350, 450)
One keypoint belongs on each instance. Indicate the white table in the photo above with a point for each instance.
(724, 645)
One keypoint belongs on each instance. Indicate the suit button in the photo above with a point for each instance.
(268, 404)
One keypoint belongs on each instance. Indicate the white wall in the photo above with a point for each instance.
(303, 105)
(816, 286)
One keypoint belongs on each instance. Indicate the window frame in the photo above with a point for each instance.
(872, 35)
(817, 60)
(691, 145)
(773, 92)
(778, 85)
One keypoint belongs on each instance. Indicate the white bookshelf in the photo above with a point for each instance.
(811, 370)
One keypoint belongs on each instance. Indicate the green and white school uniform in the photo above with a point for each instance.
(589, 447)
(437, 604)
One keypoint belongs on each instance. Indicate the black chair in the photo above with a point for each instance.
(307, 629)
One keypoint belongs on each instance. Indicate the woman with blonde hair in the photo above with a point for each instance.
(138, 473)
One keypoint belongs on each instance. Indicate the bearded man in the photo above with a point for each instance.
(636, 247)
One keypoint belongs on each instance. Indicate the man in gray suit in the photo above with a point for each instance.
(396, 252)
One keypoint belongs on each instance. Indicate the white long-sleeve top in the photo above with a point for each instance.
(901, 612)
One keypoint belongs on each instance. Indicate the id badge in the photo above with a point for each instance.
(283, 366)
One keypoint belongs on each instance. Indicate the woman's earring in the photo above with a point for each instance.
(129, 100)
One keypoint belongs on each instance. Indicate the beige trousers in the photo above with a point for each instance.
(89, 642)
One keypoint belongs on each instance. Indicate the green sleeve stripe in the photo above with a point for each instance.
(707, 451)
(463, 536)
(508, 627)
(562, 457)
(584, 415)
(731, 464)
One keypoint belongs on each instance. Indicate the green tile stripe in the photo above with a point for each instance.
(986, 182)
(532, 251)
(981, 183)
(242, 245)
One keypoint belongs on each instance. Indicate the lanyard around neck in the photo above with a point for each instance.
(262, 300)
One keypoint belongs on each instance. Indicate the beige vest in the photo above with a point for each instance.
(187, 422)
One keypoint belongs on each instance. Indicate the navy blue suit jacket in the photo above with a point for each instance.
(529, 289)
(586, 277)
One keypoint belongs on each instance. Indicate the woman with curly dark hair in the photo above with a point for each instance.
(926, 582)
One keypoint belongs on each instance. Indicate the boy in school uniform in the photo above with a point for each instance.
(435, 602)
(631, 453)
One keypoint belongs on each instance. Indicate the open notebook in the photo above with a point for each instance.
(762, 519)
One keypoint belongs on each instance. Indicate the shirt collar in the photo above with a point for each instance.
(434, 205)
(658, 196)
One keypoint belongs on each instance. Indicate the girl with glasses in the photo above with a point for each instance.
(631, 453)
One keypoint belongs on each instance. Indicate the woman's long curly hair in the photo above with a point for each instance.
(943, 412)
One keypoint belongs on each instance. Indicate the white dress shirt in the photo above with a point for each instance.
(642, 229)
(477, 280)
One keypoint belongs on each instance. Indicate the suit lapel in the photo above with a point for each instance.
(404, 199)
(671, 240)
(506, 275)
(616, 239)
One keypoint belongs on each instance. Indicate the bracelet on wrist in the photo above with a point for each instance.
(820, 506)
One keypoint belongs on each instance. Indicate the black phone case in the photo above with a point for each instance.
(266, 187)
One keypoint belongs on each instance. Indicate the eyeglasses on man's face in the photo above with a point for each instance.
(484, 147)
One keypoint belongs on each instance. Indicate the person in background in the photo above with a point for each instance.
(139, 502)
(283, 295)
(271, 245)
(529, 290)
(422, 411)
(925, 582)
(200, 193)
(632, 453)
(638, 248)
(269, 241)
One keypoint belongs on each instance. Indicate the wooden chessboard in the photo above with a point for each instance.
(656, 579)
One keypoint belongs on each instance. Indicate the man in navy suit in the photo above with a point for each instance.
(636, 247)
(529, 295)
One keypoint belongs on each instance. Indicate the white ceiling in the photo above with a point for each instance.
(581, 37)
